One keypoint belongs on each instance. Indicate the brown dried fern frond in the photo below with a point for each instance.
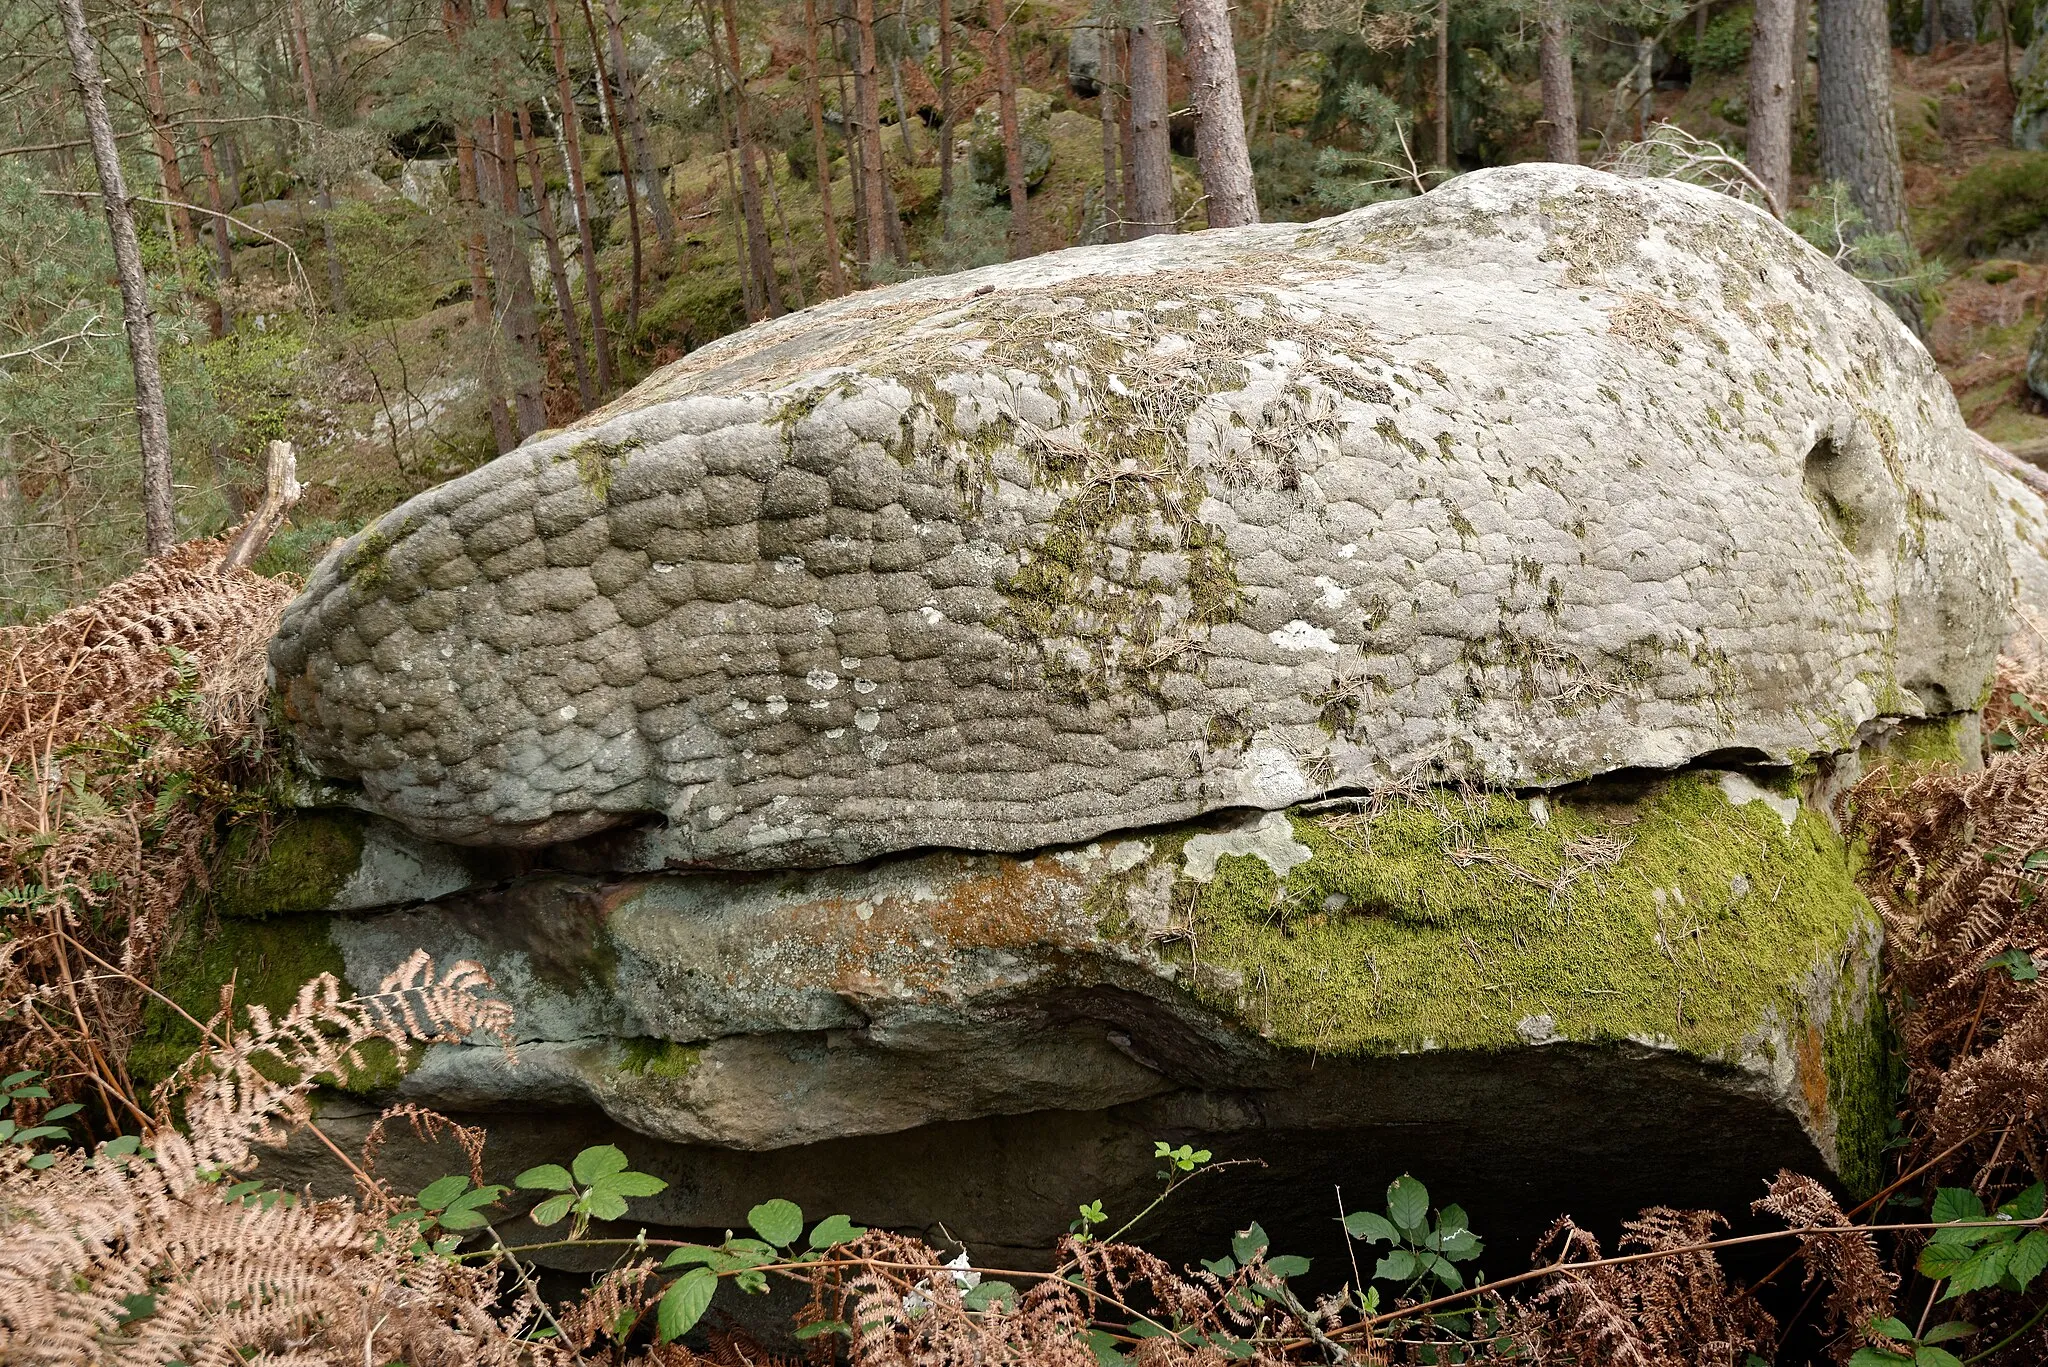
(1859, 1290)
(150, 1257)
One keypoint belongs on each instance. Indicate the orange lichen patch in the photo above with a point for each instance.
(1813, 1074)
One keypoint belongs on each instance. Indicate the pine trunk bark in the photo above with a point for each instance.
(151, 419)
(835, 274)
(1151, 150)
(159, 114)
(572, 155)
(1859, 143)
(1220, 149)
(946, 116)
(558, 269)
(223, 249)
(455, 18)
(1013, 138)
(1106, 108)
(1126, 142)
(735, 219)
(643, 146)
(1554, 65)
(1443, 83)
(1770, 100)
(336, 298)
(515, 270)
(867, 93)
(760, 253)
(611, 116)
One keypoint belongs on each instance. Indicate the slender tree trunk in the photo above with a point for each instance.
(1013, 140)
(903, 119)
(159, 115)
(1262, 89)
(866, 80)
(795, 298)
(1859, 143)
(844, 43)
(1106, 105)
(455, 18)
(1699, 23)
(835, 274)
(572, 156)
(611, 113)
(946, 116)
(1220, 150)
(760, 254)
(1443, 83)
(643, 146)
(515, 271)
(1554, 65)
(151, 420)
(558, 269)
(1770, 99)
(223, 250)
(750, 279)
(1645, 80)
(1152, 152)
(336, 299)
(1126, 141)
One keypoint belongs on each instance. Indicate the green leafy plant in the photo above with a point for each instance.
(1975, 1254)
(595, 1186)
(1912, 1350)
(1422, 1250)
(23, 1086)
(778, 1227)
(451, 1204)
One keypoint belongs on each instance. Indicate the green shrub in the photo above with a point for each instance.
(1995, 208)
(1726, 44)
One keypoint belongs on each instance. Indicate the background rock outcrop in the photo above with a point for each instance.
(1541, 475)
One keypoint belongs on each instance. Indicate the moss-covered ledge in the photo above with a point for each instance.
(1702, 914)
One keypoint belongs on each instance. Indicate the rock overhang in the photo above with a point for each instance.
(1540, 476)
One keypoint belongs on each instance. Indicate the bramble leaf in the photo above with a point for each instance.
(546, 1177)
(1372, 1228)
(1408, 1204)
(684, 1303)
(833, 1231)
(779, 1222)
(599, 1160)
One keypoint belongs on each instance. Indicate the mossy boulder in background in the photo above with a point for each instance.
(985, 141)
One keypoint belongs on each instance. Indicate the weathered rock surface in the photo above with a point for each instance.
(1540, 476)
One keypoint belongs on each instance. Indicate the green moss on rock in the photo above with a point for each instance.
(1470, 923)
(267, 961)
(300, 865)
(648, 1057)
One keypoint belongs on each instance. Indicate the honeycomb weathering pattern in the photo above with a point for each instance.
(1543, 474)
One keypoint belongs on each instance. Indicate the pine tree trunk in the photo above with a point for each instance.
(750, 278)
(1554, 65)
(867, 94)
(835, 274)
(611, 113)
(223, 250)
(1770, 99)
(572, 156)
(795, 298)
(1013, 139)
(843, 45)
(1126, 143)
(159, 115)
(1802, 27)
(455, 18)
(1262, 91)
(1151, 151)
(336, 298)
(1220, 150)
(1859, 143)
(1443, 83)
(760, 254)
(946, 116)
(515, 266)
(151, 419)
(643, 146)
(1106, 107)
(558, 269)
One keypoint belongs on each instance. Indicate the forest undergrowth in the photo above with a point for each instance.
(139, 1228)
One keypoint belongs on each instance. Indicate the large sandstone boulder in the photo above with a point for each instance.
(1361, 695)
(1538, 476)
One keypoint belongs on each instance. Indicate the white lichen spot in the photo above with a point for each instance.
(1300, 635)
(863, 686)
(867, 719)
(790, 564)
(566, 712)
(777, 704)
(931, 615)
(664, 567)
(835, 733)
(1538, 1029)
(1333, 592)
(1126, 855)
(1741, 789)
(1347, 551)
(824, 680)
(1271, 839)
(848, 662)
